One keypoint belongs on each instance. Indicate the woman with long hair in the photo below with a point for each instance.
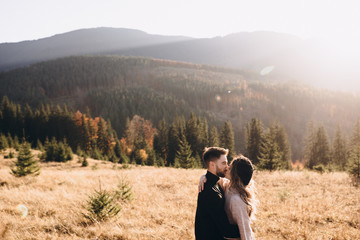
(240, 195)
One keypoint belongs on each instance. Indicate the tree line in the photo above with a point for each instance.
(179, 143)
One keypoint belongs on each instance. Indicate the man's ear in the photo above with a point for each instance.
(211, 164)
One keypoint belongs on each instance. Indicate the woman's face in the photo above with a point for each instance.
(227, 174)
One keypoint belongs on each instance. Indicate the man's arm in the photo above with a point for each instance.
(215, 208)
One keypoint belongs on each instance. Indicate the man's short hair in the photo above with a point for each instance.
(213, 153)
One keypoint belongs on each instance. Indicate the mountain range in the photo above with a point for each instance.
(291, 57)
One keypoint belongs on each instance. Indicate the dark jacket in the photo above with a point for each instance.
(211, 222)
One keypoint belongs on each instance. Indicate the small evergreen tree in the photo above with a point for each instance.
(317, 148)
(25, 164)
(161, 140)
(254, 137)
(309, 142)
(3, 142)
(270, 156)
(101, 206)
(339, 156)
(84, 162)
(227, 139)
(124, 191)
(183, 156)
(123, 159)
(151, 158)
(214, 137)
(57, 152)
(117, 149)
(10, 140)
(353, 166)
(279, 136)
(193, 133)
(16, 143)
(39, 145)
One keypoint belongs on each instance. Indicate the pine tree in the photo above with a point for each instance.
(323, 150)
(204, 137)
(353, 165)
(10, 140)
(309, 149)
(193, 133)
(318, 148)
(183, 155)
(151, 159)
(16, 143)
(85, 134)
(280, 137)
(117, 149)
(176, 131)
(254, 137)
(227, 139)
(103, 141)
(25, 164)
(214, 137)
(3, 142)
(269, 155)
(39, 145)
(84, 162)
(161, 140)
(339, 155)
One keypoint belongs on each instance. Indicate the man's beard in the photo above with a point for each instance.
(220, 173)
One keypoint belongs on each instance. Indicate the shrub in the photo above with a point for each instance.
(3, 142)
(101, 207)
(319, 168)
(123, 191)
(25, 164)
(58, 152)
(84, 163)
(11, 155)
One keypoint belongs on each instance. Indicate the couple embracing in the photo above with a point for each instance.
(226, 201)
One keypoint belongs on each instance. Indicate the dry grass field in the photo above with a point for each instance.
(294, 205)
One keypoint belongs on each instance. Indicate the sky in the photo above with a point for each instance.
(337, 20)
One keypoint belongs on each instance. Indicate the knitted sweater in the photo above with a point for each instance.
(236, 210)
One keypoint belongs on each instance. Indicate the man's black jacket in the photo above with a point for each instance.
(211, 222)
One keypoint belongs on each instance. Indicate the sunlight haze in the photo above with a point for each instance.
(331, 25)
(27, 20)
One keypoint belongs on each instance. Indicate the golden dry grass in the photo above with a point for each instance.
(294, 205)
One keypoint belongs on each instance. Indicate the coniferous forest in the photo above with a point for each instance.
(159, 112)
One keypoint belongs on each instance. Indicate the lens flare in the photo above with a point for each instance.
(266, 70)
(23, 210)
(217, 98)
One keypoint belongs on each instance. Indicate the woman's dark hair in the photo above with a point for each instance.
(241, 171)
(244, 169)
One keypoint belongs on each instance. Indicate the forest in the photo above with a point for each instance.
(72, 98)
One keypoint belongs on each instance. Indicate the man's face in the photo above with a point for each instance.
(221, 166)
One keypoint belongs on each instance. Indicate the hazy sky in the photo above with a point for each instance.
(338, 20)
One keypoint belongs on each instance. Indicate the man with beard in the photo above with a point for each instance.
(211, 222)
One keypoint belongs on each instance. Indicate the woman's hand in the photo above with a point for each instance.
(202, 182)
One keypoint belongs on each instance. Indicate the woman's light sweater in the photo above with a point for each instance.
(236, 210)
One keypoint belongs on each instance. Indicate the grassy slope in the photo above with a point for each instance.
(294, 205)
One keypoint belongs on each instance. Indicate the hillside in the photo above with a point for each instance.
(117, 88)
(294, 58)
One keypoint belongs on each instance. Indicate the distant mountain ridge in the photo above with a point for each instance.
(293, 58)
(78, 42)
